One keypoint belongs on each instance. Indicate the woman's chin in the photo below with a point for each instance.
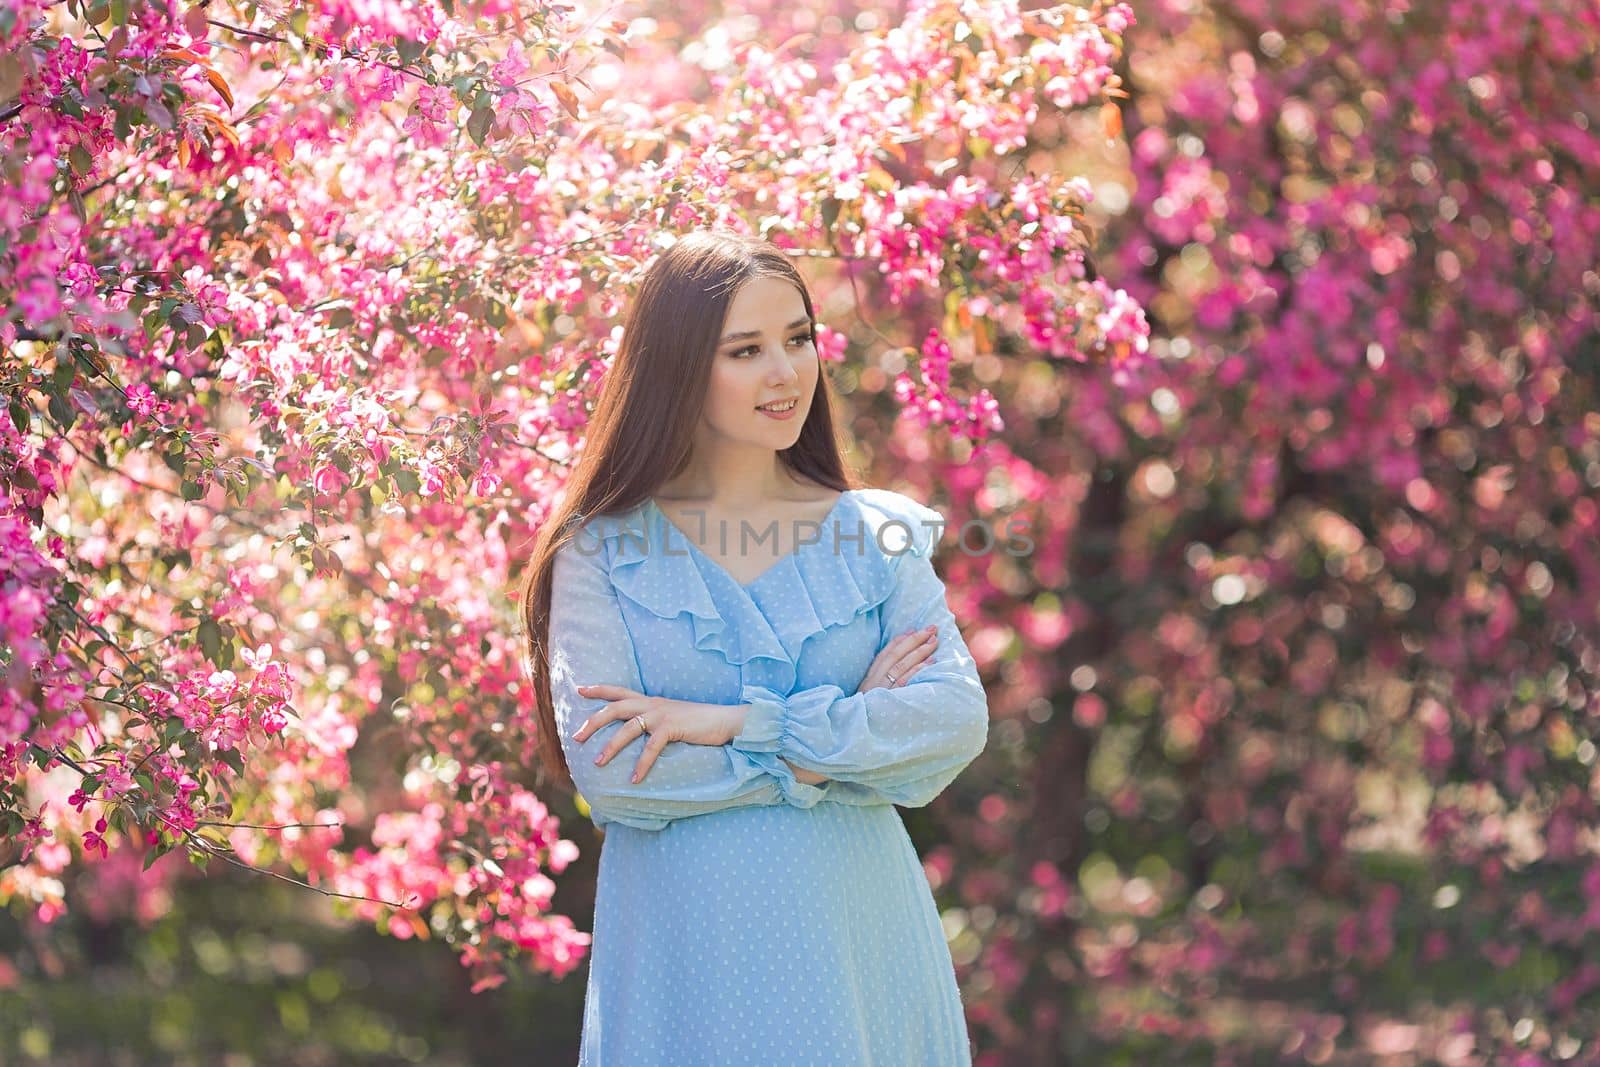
(782, 428)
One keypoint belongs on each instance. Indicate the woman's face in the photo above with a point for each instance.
(765, 355)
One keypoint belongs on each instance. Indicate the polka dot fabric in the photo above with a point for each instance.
(742, 916)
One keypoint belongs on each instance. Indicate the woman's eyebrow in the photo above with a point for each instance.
(757, 333)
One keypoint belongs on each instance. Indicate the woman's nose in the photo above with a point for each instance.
(783, 371)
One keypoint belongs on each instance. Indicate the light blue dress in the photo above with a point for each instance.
(743, 917)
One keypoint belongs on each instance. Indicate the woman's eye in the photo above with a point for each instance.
(741, 353)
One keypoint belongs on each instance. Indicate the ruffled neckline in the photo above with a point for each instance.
(812, 588)
(826, 525)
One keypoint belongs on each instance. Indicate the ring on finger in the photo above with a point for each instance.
(643, 728)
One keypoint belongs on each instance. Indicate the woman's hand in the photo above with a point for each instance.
(900, 658)
(665, 720)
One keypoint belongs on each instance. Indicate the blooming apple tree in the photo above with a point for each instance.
(303, 309)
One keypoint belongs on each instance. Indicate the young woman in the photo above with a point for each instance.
(742, 663)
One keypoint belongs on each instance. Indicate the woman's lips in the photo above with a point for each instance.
(781, 415)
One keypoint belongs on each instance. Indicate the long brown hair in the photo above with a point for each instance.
(642, 431)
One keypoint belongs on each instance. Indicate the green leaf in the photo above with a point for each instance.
(210, 638)
(409, 50)
(478, 124)
(830, 212)
(64, 415)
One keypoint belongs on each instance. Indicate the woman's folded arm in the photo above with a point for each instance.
(589, 644)
(906, 743)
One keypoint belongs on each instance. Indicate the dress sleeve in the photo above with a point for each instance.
(905, 743)
(589, 644)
